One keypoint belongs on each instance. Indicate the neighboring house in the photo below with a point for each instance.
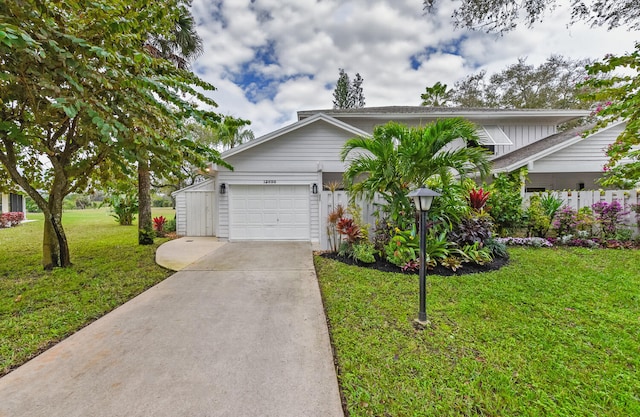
(275, 190)
(12, 202)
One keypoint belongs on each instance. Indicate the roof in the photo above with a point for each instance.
(539, 149)
(411, 112)
(292, 127)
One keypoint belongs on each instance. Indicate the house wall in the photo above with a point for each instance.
(295, 158)
(520, 134)
(183, 210)
(586, 155)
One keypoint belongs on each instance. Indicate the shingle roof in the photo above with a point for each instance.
(526, 152)
(421, 110)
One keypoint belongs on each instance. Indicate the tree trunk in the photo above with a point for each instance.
(145, 225)
(55, 248)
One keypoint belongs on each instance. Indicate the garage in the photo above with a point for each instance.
(269, 212)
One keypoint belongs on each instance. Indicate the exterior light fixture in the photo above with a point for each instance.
(314, 188)
(223, 188)
(422, 198)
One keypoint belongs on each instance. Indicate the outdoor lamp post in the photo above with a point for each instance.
(422, 198)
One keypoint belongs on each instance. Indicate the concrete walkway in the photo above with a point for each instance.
(240, 332)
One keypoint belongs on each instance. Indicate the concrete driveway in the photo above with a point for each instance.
(240, 332)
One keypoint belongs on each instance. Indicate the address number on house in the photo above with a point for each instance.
(269, 181)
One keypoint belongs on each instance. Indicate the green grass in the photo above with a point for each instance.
(39, 308)
(555, 333)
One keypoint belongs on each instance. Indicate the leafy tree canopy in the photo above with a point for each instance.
(551, 85)
(619, 93)
(80, 97)
(504, 15)
(438, 95)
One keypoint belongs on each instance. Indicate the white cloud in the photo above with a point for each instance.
(308, 40)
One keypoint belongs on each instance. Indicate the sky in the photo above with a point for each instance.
(269, 59)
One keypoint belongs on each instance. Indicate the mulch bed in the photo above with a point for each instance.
(384, 266)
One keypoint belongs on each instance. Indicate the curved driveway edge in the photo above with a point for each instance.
(178, 253)
(241, 332)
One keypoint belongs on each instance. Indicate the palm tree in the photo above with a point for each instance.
(398, 158)
(436, 95)
(182, 45)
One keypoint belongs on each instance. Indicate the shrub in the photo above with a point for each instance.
(475, 228)
(505, 203)
(170, 225)
(382, 233)
(403, 247)
(364, 252)
(11, 219)
(565, 221)
(538, 222)
(497, 248)
(608, 217)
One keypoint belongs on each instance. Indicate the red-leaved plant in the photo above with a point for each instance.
(158, 223)
(478, 198)
(349, 229)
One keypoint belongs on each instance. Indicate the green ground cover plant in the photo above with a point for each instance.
(39, 308)
(553, 333)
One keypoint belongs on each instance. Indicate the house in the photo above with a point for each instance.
(12, 202)
(275, 190)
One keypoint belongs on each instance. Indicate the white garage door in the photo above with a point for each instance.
(269, 212)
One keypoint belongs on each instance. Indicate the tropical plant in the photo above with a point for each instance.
(436, 96)
(403, 247)
(398, 158)
(349, 230)
(158, 223)
(475, 253)
(123, 207)
(475, 228)
(332, 227)
(551, 204)
(505, 202)
(478, 198)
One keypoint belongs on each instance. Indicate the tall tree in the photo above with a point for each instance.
(341, 96)
(357, 92)
(619, 93)
(78, 96)
(179, 46)
(551, 85)
(436, 96)
(347, 94)
(398, 158)
(504, 15)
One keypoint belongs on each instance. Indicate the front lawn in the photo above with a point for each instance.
(40, 308)
(554, 333)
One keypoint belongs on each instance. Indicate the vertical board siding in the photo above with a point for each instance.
(522, 135)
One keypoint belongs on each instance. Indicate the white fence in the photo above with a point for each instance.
(584, 198)
(330, 200)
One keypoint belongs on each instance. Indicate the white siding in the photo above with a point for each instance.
(523, 135)
(308, 149)
(586, 155)
(181, 206)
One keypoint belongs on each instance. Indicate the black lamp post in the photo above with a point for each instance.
(422, 198)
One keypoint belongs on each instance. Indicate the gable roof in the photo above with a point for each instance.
(292, 127)
(557, 116)
(542, 148)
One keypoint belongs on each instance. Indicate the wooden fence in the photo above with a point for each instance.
(583, 198)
